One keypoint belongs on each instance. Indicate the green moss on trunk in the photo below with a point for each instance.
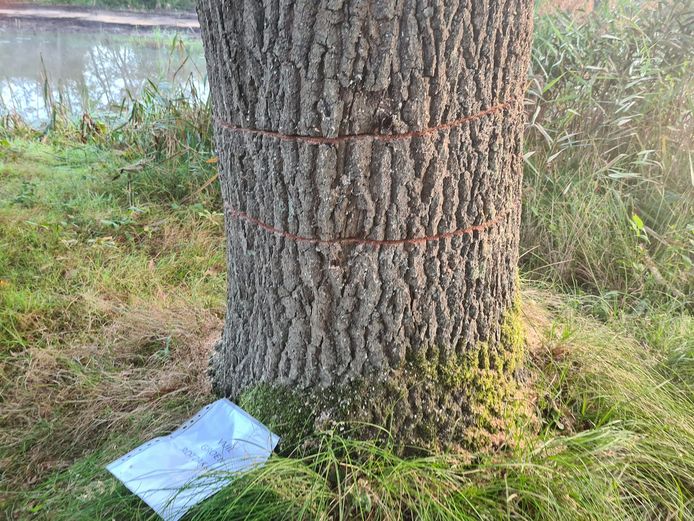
(470, 403)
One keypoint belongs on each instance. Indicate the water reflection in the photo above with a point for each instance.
(89, 71)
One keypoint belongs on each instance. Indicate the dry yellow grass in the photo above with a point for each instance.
(86, 392)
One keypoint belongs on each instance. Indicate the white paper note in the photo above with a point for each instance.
(175, 472)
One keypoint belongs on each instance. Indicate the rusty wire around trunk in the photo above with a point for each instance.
(321, 140)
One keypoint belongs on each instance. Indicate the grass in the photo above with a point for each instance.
(616, 443)
(610, 104)
(103, 299)
(112, 278)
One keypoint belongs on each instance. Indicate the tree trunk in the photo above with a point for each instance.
(370, 163)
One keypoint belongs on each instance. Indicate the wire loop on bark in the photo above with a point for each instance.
(322, 140)
(243, 216)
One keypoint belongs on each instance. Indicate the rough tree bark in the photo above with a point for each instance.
(417, 334)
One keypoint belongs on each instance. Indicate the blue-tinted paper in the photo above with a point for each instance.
(175, 472)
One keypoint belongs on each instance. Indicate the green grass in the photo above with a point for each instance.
(112, 284)
(609, 199)
(103, 295)
(617, 442)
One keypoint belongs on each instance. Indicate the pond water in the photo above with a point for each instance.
(93, 70)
